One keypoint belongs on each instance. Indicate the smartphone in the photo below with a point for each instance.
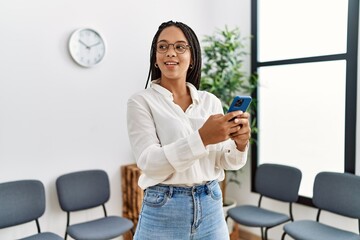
(240, 103)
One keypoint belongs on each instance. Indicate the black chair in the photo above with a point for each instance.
(21, 202)
(338, 193)
(274, 181)
(84, 190)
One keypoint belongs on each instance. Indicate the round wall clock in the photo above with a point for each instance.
(87, 47)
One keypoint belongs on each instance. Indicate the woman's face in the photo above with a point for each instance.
(173, 64)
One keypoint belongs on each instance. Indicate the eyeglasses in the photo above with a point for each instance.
(179, 47)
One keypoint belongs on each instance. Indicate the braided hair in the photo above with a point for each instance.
(193, 74)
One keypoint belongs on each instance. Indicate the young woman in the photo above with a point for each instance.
(182, 142)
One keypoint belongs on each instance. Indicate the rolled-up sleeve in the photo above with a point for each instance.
(232, 158)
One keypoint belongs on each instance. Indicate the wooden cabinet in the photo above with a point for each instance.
(132, 195)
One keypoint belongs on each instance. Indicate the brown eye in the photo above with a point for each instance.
(162, 47)
(180, 47)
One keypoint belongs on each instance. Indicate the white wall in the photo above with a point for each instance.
(358, 116)
(56, 117)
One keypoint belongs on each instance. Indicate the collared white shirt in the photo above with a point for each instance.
(166, 142)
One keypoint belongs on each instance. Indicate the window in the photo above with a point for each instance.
(305, 53)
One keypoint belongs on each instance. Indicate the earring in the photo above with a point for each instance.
(156, 65)
(191, 66)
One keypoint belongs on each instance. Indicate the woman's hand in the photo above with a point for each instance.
(219, 127)
(243, 134)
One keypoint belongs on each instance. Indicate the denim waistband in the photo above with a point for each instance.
(185, 190)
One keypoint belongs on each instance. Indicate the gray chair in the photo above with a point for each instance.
(338, 193)
(273, 181)
(85, 190)
(21, 202)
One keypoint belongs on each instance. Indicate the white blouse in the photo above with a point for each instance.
(166, 142)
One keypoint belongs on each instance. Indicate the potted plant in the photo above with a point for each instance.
(223, 74)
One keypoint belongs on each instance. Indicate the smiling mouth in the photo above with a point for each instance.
(171, 63)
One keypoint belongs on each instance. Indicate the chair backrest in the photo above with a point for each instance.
(21, 202)
(83, 190)
(279, 182)
(338, 193)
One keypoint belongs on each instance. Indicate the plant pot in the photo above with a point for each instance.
(227, 204)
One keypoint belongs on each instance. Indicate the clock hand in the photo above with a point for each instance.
(84, 44)
(94, 44)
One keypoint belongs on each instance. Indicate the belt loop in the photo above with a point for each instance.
(171, 189)
(208, 189)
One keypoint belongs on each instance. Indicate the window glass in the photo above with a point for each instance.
(302, 117)
(290, 29)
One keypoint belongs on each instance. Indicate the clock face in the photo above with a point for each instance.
(86, 47)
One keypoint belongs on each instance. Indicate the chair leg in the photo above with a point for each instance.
(262, 233)
(265, 238)
(283, 236)
(67, 223)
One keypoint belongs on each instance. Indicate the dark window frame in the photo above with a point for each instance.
(351, 57)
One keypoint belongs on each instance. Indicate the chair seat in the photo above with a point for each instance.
(253, 216)
(312, 230)
(103, 228)
(43, 236)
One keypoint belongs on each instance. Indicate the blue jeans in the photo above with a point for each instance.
(182, 213)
